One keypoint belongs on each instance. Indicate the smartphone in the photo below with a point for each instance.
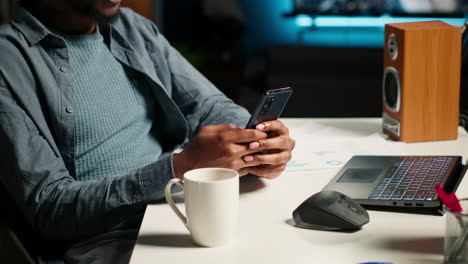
(269, 106)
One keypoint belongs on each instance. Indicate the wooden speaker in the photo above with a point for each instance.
(421, 82)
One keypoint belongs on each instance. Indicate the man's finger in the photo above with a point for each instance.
(282, 143)
(273, 126)
(241, 135)
(276, 158)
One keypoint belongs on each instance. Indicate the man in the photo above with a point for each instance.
(93, 103)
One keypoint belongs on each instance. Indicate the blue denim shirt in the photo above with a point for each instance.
(37, 170)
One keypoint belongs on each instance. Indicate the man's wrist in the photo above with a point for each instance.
(179, 165)
(154, 177)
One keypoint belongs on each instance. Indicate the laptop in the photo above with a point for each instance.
(399, 183)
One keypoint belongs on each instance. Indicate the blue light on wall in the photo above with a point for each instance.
(267, 26)
(304, 21)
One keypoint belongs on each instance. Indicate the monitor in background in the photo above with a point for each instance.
(340, 7)
(425, 8)
(436, 8)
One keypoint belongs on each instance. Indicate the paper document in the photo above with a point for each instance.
(312, 156)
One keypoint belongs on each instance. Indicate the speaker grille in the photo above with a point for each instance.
(391, 89)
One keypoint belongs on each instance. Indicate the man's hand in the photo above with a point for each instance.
(263, 151)
(271, 153)
(222, 146)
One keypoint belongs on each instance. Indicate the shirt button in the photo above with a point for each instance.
(68, 156)
(69, 109)
(63, 69)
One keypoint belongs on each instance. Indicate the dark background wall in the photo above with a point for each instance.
(335, 68)
(333, 61)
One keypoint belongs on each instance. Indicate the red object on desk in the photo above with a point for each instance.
(450, 200)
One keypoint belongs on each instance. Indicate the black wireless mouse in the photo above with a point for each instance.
(330, 210)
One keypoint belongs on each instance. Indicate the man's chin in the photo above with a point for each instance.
(105, 17)
(109, 10)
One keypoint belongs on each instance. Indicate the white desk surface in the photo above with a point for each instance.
(266, 234)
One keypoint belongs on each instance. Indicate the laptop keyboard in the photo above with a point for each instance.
(412, 178)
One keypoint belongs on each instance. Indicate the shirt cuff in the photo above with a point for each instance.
(154, 177)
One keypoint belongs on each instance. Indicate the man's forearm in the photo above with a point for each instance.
(56, 205)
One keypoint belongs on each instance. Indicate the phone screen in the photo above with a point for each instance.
(269, 106)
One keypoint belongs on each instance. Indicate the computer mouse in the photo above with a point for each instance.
(330, 210)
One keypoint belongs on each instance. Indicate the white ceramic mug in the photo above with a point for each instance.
(211, 204)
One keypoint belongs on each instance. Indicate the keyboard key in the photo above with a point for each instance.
(409, 194)
(419, 197)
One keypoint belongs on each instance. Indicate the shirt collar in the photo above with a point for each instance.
(32, 29)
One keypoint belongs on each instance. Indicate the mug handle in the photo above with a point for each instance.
(170, 201)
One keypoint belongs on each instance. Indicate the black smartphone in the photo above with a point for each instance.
(269, 106)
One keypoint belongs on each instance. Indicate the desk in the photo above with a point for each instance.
(266, 234)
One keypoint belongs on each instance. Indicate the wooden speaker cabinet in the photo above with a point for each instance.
(421, 82)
